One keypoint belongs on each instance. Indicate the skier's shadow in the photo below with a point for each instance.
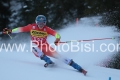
(56, 67)
(33, 63)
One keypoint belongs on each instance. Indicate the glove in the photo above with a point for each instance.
(56, 42)
(6, 31)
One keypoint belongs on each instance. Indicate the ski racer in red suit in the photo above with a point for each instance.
(39, 32)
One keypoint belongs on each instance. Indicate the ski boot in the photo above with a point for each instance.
(47, 60)
(84, 72)
(76, 66)
(46, 64)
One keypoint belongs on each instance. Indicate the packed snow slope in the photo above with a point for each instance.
(91, 55)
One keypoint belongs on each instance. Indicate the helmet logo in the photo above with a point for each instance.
(41, 18)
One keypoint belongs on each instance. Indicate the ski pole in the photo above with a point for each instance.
(87, 40)
(9, 35)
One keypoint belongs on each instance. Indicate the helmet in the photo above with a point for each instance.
(40, 21)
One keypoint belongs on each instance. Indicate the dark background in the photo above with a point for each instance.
(16, 13)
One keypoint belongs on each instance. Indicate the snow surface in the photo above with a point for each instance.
(25, 66)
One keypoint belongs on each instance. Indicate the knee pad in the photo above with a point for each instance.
(70, 63)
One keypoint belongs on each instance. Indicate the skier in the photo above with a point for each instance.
(39, 32)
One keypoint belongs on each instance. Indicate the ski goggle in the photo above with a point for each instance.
(40, 23)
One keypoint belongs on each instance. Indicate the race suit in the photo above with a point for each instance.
(39, 38)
